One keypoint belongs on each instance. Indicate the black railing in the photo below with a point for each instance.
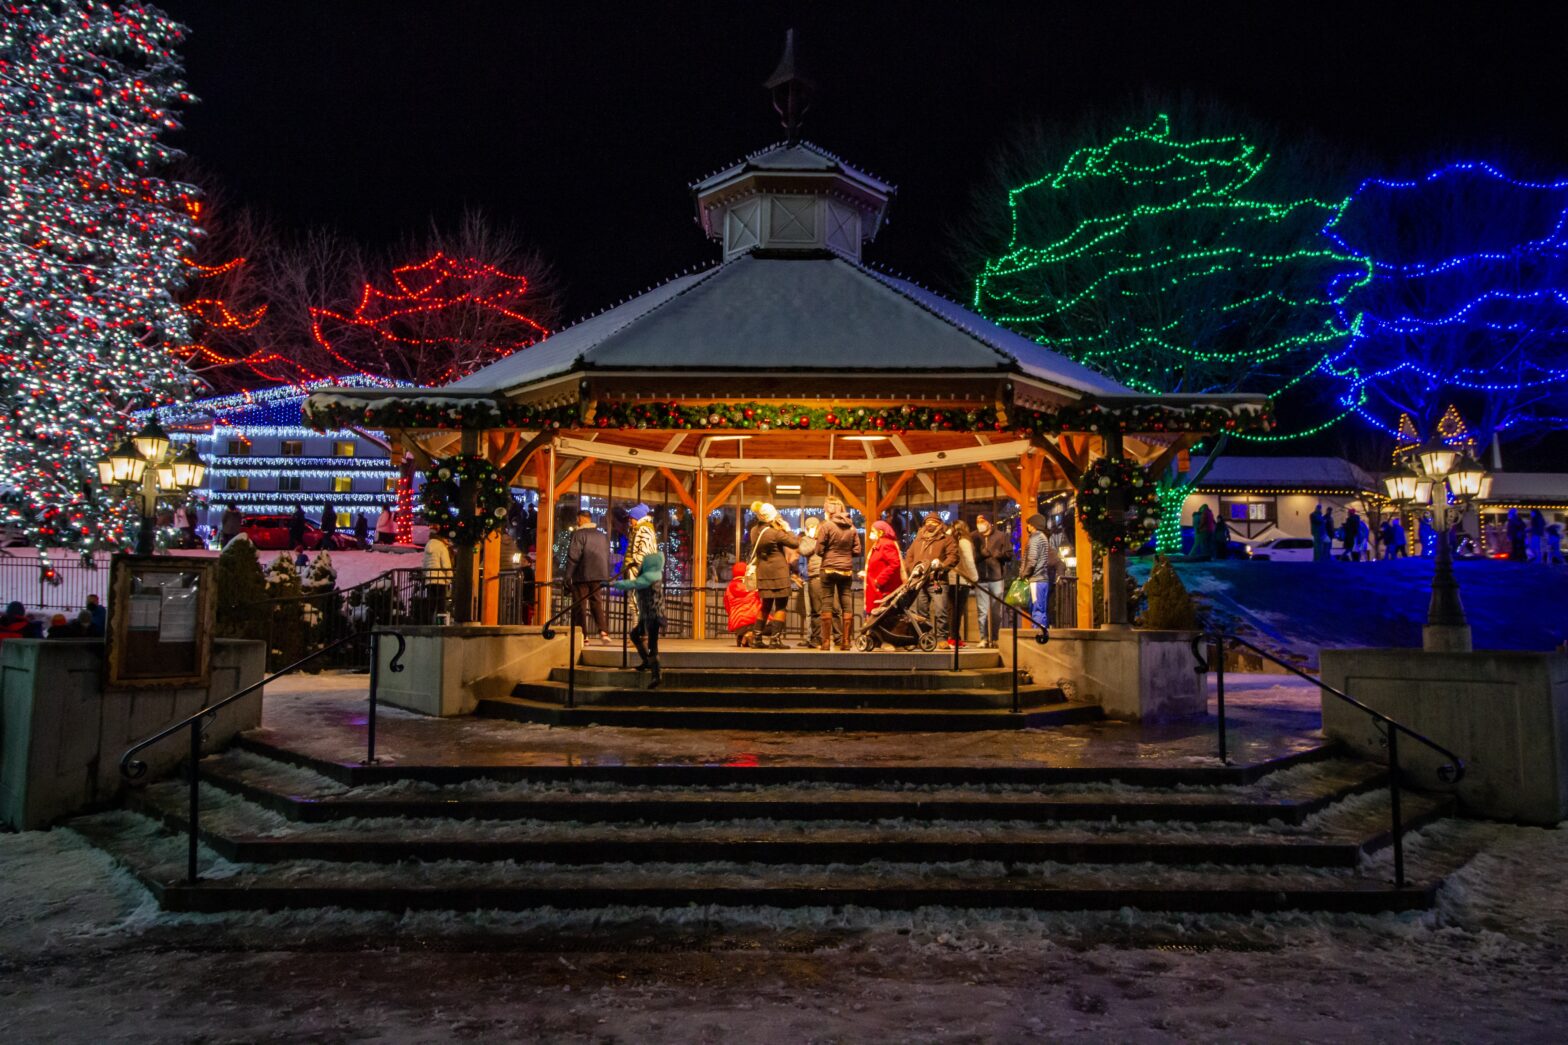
(1450, 772)
(305, 624)
(1041, 635)
(569, 613)
(134, 769)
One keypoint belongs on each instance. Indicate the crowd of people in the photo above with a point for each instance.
(90, 622)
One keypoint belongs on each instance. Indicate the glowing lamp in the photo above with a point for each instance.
(1437, 459)
(1423, 494)
(1465, 477)
(126, 465)
(1401, 484)
(1486, 489)
(152, 442)
(187, 471)
(105, 471)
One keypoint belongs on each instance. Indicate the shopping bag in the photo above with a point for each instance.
(1018, 595)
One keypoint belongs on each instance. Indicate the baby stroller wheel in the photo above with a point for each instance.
(928, 641)
(863, 643)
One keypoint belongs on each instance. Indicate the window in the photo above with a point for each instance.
(391, 486)
(343, 448)
(236, 482)
(342, 484)
(293, 448)
(288, 483)
(239, 447)
(1247, 509)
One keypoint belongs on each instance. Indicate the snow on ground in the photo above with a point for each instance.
(85, 956)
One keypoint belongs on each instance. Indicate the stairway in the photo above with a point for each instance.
(794, 690)
(286, 831)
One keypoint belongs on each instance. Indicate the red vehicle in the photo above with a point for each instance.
(271, 533)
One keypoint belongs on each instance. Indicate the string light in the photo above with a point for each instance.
(92, 248)
(1469, 300)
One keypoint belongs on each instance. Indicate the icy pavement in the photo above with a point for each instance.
(1269, 716)
(86, 956)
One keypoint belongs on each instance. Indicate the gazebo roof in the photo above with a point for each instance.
(760, 313)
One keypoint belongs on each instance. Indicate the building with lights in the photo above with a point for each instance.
(1261, 498)
(262, 459)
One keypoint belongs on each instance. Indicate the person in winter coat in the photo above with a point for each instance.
(644, 541)
(650, 611)
(993, 554)
(1324, 550)
(884, 566)
(14, 623)
(329, 523)
(935, 548)
(771, 543)
(810, 567)
(1396, 538)
(386, 526)
(1036, 568)
(964, 577)
(297, 528)
(1315, 521)
(1202, 535)
(1350, 535)
(742, 607)
(1554, 544)
(587, 568)
(437, 565)
(838, 543)
(1518, 533)
(1536, 538)
(1221, 539)
(361, 529)
(233, 522)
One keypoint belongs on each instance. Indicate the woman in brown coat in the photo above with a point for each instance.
(772, 543)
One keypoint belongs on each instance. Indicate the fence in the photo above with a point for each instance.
(22, 579)
(305, 624)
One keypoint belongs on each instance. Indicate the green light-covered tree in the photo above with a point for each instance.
(1174, 263)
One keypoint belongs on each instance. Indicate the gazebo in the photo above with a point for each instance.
(787, 370)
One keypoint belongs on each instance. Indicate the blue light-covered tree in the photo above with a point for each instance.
(91, 247)
(1467, 307)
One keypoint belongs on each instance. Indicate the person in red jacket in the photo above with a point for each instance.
(742, 607)
(884, 565)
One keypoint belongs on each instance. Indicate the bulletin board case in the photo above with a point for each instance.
(161, 613)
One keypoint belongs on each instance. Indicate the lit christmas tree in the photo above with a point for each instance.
(1155, 261)
(92, 243)
(1466, 319)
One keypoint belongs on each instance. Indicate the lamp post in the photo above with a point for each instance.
(1441, 473)
(145, 465)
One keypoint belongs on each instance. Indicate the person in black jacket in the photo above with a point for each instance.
(297, 528)
(993, 557)
(838, 544)
(587, 568)
(934, 548)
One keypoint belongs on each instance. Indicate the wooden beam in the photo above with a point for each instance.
(512, 470)
(680, 490)
(718, 499)
(1007, 485)
(572, 476)
(1182, 442)
(1070, 469)
(544, 542)
(902, 447)
(886, 500)
(849, 496)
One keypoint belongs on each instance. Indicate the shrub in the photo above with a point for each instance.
(1169, 606)
(242, 610)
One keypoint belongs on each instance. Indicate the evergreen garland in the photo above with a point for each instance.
(1116, 531)
(439, 499)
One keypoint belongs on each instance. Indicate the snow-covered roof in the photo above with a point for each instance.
(786, 156)
(1310, 473)
(824, 314)
(1529, 488)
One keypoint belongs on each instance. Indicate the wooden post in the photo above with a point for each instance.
(1085, 592)
(544, 547)
(873, 501)
(465, 558)
(1115, 572)
(490, 580)
(699, 556)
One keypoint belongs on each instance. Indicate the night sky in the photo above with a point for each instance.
(583, 123)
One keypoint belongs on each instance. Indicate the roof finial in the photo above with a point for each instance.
(791, 90)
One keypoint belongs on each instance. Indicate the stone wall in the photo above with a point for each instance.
(448, 670)
(64, 734)
(1503, 712)
(1131, 672)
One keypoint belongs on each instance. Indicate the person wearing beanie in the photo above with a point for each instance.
(838, 543)
(771, 545)
(645, 587)
(13, 625)
(643, 541)
(884, 566)
(935, 548)
(1035, 567)
(993, 553)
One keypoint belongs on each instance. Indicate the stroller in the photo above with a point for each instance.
(893, 622)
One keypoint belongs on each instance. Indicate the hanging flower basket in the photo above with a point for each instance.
(1118, 530)
(441, 498)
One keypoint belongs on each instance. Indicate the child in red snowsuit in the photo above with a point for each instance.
(742, 606)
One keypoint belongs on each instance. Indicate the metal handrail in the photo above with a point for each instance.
(1040, 637)
(134, 769)
(548, 632)
(1450, 772)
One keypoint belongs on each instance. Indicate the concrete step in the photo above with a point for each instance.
(156, 859)
(632, 690)
(790, 660)
(907, 681)
(823, 718)
(304, 796)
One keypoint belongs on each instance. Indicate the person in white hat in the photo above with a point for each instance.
(771, 544)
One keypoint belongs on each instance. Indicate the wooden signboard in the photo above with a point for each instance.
(161, 612)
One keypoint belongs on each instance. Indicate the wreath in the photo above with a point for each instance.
(1117, 531)
(440, 499)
